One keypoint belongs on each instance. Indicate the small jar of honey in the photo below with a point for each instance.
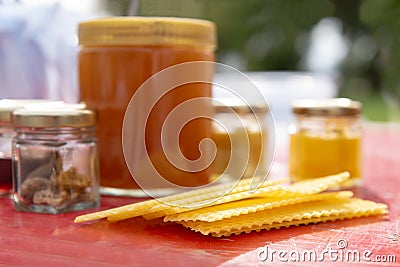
(240, 134)
(117, 56)
(326, 139)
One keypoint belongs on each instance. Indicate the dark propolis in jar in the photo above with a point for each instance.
(55, 160)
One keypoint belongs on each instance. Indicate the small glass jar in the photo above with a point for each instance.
(326, 139)
(55, 160)
(240, 134)
(7, 106)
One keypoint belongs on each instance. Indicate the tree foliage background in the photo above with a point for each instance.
(274, 35)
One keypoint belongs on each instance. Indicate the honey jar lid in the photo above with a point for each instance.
(136, 30)
(327, 107)
(67, 115)
(234, 105)
(7, 106)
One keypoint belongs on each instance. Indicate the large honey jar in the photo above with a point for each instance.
(117, 56)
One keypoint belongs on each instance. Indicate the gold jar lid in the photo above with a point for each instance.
(66, 116)
(7, 106)
(233, 105)
(327, 107)
(194, 33)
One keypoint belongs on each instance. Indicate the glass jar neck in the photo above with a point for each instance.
(64, 133)
(328, 123)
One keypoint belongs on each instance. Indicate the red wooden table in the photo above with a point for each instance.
(28, 239)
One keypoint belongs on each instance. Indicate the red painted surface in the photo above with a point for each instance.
(28, 239)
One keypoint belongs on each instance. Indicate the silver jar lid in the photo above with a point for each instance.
(66, 115)
(234, 105)
(327, 107)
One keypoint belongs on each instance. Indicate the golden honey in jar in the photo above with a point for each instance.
(326, 139)
(117, 56)
(240, 134)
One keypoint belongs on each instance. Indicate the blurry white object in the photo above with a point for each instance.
(328, 46)
(280, 89)
(38, 48)
(83, 7)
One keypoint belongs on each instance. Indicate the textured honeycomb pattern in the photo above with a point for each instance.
(205, 194)
(302, 213)
(228, 210)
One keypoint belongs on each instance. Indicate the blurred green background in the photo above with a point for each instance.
(357, 41)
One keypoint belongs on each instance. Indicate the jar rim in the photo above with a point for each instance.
(148, 31)
(327, 107)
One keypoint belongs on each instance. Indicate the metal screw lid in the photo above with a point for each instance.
(195, 33)
(234, 105)
(327, 107)
(67, 115)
